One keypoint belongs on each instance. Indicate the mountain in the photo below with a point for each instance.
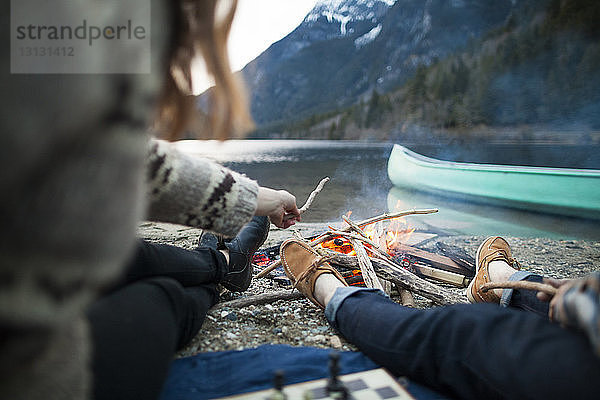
(534, 77)
(345, 49)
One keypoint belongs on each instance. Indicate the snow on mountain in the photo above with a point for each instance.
(367, 37)
(345, 11)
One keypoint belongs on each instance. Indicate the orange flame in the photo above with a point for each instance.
(385, 237)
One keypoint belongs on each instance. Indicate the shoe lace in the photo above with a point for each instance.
(502, 255)
(313, 267)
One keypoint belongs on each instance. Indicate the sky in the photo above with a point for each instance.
(257, 25)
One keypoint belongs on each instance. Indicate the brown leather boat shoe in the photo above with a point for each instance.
(493, 248)
(303, 265)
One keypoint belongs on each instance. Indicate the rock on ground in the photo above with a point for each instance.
(299, 323)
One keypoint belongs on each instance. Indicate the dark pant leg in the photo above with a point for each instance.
(472, 351)
(137, 329)
(188, 267)
(527, 299)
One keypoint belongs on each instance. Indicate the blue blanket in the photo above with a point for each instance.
(210, 375)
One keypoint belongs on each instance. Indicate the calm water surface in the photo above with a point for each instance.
(359, 182)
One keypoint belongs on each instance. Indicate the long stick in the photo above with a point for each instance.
(314, 194)
(366, 267)
(364, 261)
(394, 215)
(540, 287)
(260, 299)
(268, 269)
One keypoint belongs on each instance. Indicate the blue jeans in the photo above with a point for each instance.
(471, 351)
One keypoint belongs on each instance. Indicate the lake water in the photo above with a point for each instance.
(359, 182)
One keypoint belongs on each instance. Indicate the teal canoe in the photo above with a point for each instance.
(566, 191)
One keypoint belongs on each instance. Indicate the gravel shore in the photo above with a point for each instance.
(299, 323)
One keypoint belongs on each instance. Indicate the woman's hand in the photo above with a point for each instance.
(279, 205)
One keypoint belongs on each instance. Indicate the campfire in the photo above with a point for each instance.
(374, 253)
(387, 238)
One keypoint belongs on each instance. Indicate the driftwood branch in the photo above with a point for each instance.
(314, 194)
(268, 269)
(353, 226)
(409, 281)
(399, 214)
(540, 287)
(259, 299)
(366, 267)
(310, 199)
(364, 261)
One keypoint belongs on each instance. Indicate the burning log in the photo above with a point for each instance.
(364, 261)
(366, 266)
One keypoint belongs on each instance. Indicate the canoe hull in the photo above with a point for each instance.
(557, 190)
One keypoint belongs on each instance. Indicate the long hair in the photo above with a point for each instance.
(201, 29)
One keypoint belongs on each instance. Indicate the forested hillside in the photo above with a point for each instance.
(540, 67)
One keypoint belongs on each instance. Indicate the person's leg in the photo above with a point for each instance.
(159, 307)
(469, 351)
(522, 299)
(136, 330)
(188, 267)
(230, 265)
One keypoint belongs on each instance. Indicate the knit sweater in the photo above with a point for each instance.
(78, 172)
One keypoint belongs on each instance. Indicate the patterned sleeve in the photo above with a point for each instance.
(193, 191)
